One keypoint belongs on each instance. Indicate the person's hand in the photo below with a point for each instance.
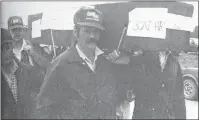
(113, 56)
(27, 47)
(117, 58)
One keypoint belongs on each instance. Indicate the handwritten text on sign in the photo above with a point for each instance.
(147, 22)
(149, 26)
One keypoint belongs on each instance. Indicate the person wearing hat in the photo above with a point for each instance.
(24, 49)
(33, 64)
(79, 84)
(8, 79)
(16, 27)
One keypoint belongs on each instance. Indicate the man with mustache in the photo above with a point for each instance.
(32, 62)
(24, 49)
(80, 84)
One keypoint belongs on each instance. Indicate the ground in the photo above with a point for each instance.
(192, 109)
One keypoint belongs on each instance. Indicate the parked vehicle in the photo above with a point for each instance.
(189, 64)
(190, 78)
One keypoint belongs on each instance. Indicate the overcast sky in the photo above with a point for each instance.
(26, 8)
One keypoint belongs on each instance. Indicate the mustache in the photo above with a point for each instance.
(17, 36)
(91, 41)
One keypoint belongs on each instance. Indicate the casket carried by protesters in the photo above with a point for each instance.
(150, 26)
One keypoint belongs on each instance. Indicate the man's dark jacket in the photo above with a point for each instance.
(158, 95)
(29, 78)
(72, 90)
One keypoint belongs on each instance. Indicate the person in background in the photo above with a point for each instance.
(172, 87)
(24, 49)
(157, 83)
(9, 98)
(34, 65)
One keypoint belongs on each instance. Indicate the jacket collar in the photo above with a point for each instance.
(83, 56)
(73, 55)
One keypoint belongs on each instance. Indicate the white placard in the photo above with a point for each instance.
(58, 19)
(147, 22)
(152, 22)
(60, 16)
(36, 28)
(180, 22)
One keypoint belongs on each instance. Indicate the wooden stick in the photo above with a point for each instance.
(53, 42)
(121, 39)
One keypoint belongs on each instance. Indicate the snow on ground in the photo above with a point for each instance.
(192, 109)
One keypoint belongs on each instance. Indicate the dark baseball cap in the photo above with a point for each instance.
(15, 22)
(89, 16)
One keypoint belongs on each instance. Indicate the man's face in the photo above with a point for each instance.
(89, 36)
(16, 33)
(6, 52)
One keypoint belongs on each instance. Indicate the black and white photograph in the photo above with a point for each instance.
(95, 59)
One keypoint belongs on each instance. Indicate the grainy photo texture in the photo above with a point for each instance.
(99, 60)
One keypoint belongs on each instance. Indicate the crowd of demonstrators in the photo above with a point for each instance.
(83, 82)
(156, 84)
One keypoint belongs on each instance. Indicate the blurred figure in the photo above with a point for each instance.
(23, 48)
(34, 65)
(126, 108)
(156, 83)
(9, 98)
(171, 93)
